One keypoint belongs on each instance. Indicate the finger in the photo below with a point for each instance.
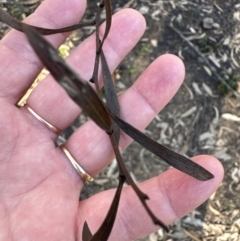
(91, 147)
(55, 106)
(172, 195)
(19, 65)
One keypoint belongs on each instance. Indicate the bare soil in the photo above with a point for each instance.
(204, 116)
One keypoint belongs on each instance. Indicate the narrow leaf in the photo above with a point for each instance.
(14, 23)
(108, 8)
(106, 227)
(86, 235)
(78, 89)
(172, 158)
(94, 78)
(110, 94)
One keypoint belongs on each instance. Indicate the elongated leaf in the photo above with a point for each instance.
(108, 8)
(99, 43)
(110, 94)
(94, 78)
(86, 235)
(14, 23)
(78, 89)
(172, 158)
(106, 227)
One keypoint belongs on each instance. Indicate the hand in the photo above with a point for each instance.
(38, 185)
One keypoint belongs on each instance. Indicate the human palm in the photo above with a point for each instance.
(39, 188)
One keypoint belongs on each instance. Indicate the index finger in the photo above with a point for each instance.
(19, 64)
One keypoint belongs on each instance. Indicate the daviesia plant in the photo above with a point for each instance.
(106, 116)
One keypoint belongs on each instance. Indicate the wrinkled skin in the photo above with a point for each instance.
(39, 188)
